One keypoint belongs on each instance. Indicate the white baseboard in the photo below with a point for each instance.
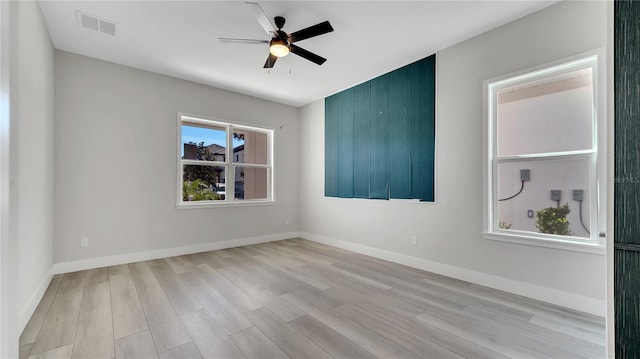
(30, 307)
(545, 294)
(99, 262)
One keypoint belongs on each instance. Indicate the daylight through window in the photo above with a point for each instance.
(544, 154)
(222, 163)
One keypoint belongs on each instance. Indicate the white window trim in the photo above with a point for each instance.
(598, 155)
(229, 164)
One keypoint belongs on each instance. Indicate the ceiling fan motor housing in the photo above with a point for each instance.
(279, 20)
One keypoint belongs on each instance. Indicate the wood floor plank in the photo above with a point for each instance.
(379, 299)
(286, 338)
(568, 328)
(165, 325)
(185, 351)
(94, 336)
(277, 280)
(368, 340)
(448, 341)
(344, 277)
(24, 350)
(57, 353)
(96, 276)
(317, 299)
(254, 344)
(537, 307)
(30, 332)
(179, 295)
(497, 337)
(225, 314)
(268, 253)
(409, 341)
(232, 293)
(281, 308)
(314, 281)
(178, 265)
(128, 316)
(119, 269)
(194, 259)
(59, 326)
(211, 341)
(328, 339)
(136, 346)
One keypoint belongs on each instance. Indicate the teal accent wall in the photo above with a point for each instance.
(627, 178)
(380, 136)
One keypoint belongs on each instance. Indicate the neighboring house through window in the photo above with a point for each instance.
(206, 165)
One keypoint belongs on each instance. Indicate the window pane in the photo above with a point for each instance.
(521, 211)
(251, 183)
(553, 114)
(203, 143)
(250, 147)
(203, 183)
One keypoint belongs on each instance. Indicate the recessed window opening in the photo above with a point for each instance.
(223, 163)
(543, 150)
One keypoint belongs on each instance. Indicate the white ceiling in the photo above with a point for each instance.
(179, 39)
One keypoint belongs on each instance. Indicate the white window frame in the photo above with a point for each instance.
(597, 156)
(229, 164)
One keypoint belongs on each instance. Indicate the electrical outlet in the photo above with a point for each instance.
(556, 194)
(84, 242)
(578, 195)
(524, 175)
(414, 240)
(286, 221)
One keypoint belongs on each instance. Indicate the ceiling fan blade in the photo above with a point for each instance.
(244, 41)
(311, 31)
(271, 60)
(262, 18)
(307, 54)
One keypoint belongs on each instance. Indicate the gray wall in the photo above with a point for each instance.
(449, 231)
(115, 161)
(32, 101)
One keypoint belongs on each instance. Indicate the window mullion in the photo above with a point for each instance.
(556, 156)
(231, 173)
(202, 163)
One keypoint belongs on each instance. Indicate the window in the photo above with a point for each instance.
(222, 163)
(545, 140)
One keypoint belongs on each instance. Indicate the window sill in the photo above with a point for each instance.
(223, 204)
(574, 246)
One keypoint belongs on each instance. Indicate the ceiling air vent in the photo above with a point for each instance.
(95, 23)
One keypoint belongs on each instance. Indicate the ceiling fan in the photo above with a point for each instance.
(281, 43)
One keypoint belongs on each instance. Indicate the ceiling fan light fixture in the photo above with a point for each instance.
(278, 48)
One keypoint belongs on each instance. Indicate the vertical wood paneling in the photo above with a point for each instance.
(361, 139)
(380, 136)
(380, 150)
(627, 124)
(627, 303)
(400, 132)
(422, 115)
(627, 178)
(331, 146)
(345, 144)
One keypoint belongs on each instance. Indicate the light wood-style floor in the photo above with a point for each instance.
(296, 299)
